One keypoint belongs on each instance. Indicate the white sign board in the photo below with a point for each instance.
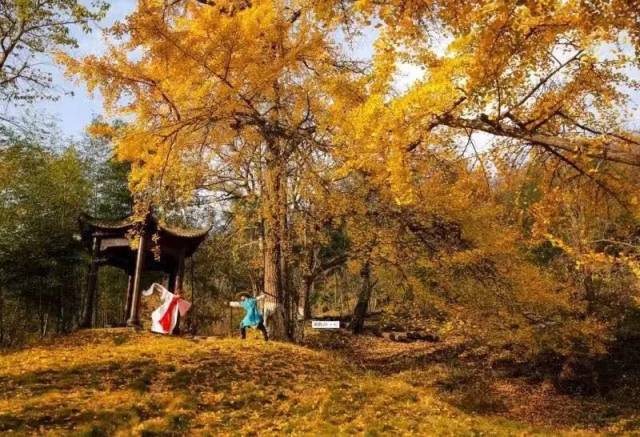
(325, 324)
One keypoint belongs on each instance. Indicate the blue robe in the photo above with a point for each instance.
(252, 316)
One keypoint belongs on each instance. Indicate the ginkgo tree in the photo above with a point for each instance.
(548, 85)
(214, 86)
(540, 81)
(256, 99)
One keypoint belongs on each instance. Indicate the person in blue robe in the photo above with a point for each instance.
(252, 317)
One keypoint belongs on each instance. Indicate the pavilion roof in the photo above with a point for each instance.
(126, 223)
(170, 236)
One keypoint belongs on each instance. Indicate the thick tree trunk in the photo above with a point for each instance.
(274, 216)
(360, 311)
(273, 280)
(309, 280)
(309, 285)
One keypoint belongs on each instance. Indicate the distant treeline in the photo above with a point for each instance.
(45, 182)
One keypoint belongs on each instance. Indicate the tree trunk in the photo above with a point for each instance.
(309, 282)
(44, 325)
(60, 321)
(590, 291)
(309, 285)
(41, 315)
(360, 311)
(1, 316)
(279, 297)
(193, 320)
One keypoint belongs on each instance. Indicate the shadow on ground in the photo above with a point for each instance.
(117, 382)
(469, 384)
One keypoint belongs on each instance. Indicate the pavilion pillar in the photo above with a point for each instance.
(134, 316)
(180, 273)
(177, 285)
(127, 309)
(171, 282)
(176, 277)
(92, 283)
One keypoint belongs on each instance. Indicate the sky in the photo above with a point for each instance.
(75, 108)
(74, 112)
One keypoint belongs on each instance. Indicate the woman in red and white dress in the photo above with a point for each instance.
(165, 317)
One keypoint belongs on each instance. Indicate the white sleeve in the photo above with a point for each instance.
(149, 291)
(235, 304)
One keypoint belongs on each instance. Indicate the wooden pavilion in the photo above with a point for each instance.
(161, 248)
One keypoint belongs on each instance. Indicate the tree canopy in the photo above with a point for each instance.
(259, 105)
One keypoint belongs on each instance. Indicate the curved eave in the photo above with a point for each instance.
(191, 234)
(112, 225)
(188, 239)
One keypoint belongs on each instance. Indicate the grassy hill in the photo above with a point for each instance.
(118, 382)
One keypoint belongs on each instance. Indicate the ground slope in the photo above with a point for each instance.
(118, 382)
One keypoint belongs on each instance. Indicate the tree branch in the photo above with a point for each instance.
(577, 144)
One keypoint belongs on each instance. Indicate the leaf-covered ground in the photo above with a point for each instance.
(118, 382)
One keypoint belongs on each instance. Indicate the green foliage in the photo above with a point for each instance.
(110, 198)
(42, 193)
(31, 30)
(43, 189)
